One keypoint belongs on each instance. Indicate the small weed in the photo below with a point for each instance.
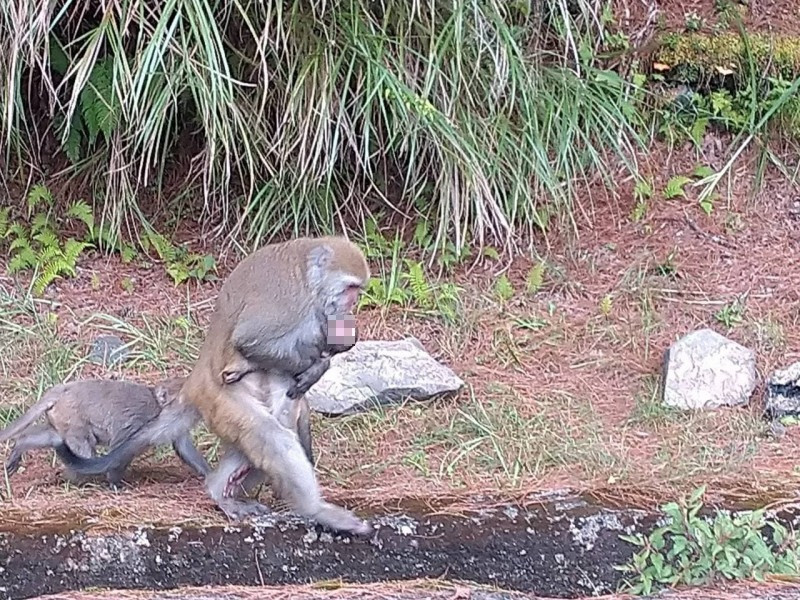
(181, 265)
(535, 278)
(694, 22)
(643, 191)
(675, 185)
(731, 314)
(693, 550)
(668, 267)
(503, 289)
(606, 305)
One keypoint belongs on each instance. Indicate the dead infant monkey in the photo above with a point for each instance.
(82, 414)
(341, 336)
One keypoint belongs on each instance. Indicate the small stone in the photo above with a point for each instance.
(782, 395)
(108, 350)
(705, 370)
(381, 372)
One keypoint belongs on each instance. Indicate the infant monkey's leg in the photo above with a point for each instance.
(37, 436)
(223, 482)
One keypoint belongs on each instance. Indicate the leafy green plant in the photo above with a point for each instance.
(503, 289)
(675, 185)
(693, 550)
(606, 305)
(181, 265)
(642, 191)
(731, 314)
(372, 93)
(535, 278)
(37, 246)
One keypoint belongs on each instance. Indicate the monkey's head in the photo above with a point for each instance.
(340, 271)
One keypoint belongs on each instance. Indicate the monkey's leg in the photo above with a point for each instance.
(83, 444)
(187, 452)
(38, 436)
(303, 426)
(276, 450)
(221, 483)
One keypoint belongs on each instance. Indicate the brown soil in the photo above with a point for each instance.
(778, 17)
(579, 388)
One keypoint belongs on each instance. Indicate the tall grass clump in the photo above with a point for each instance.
(301, 115)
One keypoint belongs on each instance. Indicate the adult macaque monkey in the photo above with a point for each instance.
(273, 314)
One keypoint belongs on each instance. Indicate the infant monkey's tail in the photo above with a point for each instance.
(113, 462)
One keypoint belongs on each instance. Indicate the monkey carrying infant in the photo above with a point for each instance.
(82, 414)
(266, 345)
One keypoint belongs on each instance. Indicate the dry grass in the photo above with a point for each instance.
(562, 385)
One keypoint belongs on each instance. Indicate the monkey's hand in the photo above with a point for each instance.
(305, 380)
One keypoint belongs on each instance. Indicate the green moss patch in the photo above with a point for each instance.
(692, 57)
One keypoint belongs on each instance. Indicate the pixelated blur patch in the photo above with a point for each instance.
(342, 329)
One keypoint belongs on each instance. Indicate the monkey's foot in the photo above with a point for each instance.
(229, 377)
(237, 510)
(340, 519)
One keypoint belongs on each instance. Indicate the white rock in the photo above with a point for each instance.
(381, 372)
(705, 370)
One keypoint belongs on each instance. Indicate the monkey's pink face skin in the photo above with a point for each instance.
(349, 299)
(342, 330)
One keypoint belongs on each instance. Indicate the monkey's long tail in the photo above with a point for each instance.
(44, 404)
(117, 458)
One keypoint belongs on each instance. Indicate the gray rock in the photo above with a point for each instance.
(705, 370)
(381, 372)
(782, 396)
(108, 350)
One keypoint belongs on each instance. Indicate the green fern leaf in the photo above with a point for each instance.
(178, 272)
(81, 211)
(49, 274)
(21, 261)
(98, 103)
(41, 223)
(503, 288)
(418, 284)
(674, 187)
(165, 250)
(48, 255)
(39, 194)
(47, 239)
(19, 243)
(422, 238)
(535, 278)
(4, 229)
(17, 230)
(72, 250)
(128, 253)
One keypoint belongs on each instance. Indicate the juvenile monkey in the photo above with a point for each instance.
(82, 414)
(273, 311)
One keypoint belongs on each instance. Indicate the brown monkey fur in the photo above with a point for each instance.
(272, 313)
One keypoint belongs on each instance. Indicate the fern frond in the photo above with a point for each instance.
(4, 221)
(24, 259)
(47, 238)
(20, 243)
(83, 212)
(39, 194)
(49, 274)
(72, 250)
(420, 289)
(535, 278)
(98, 102)
(48, 255)
(17, 230)
(41, 222)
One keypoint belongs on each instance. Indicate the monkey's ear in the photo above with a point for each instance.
(319, 259)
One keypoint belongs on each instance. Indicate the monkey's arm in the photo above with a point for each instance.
(187, 452)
